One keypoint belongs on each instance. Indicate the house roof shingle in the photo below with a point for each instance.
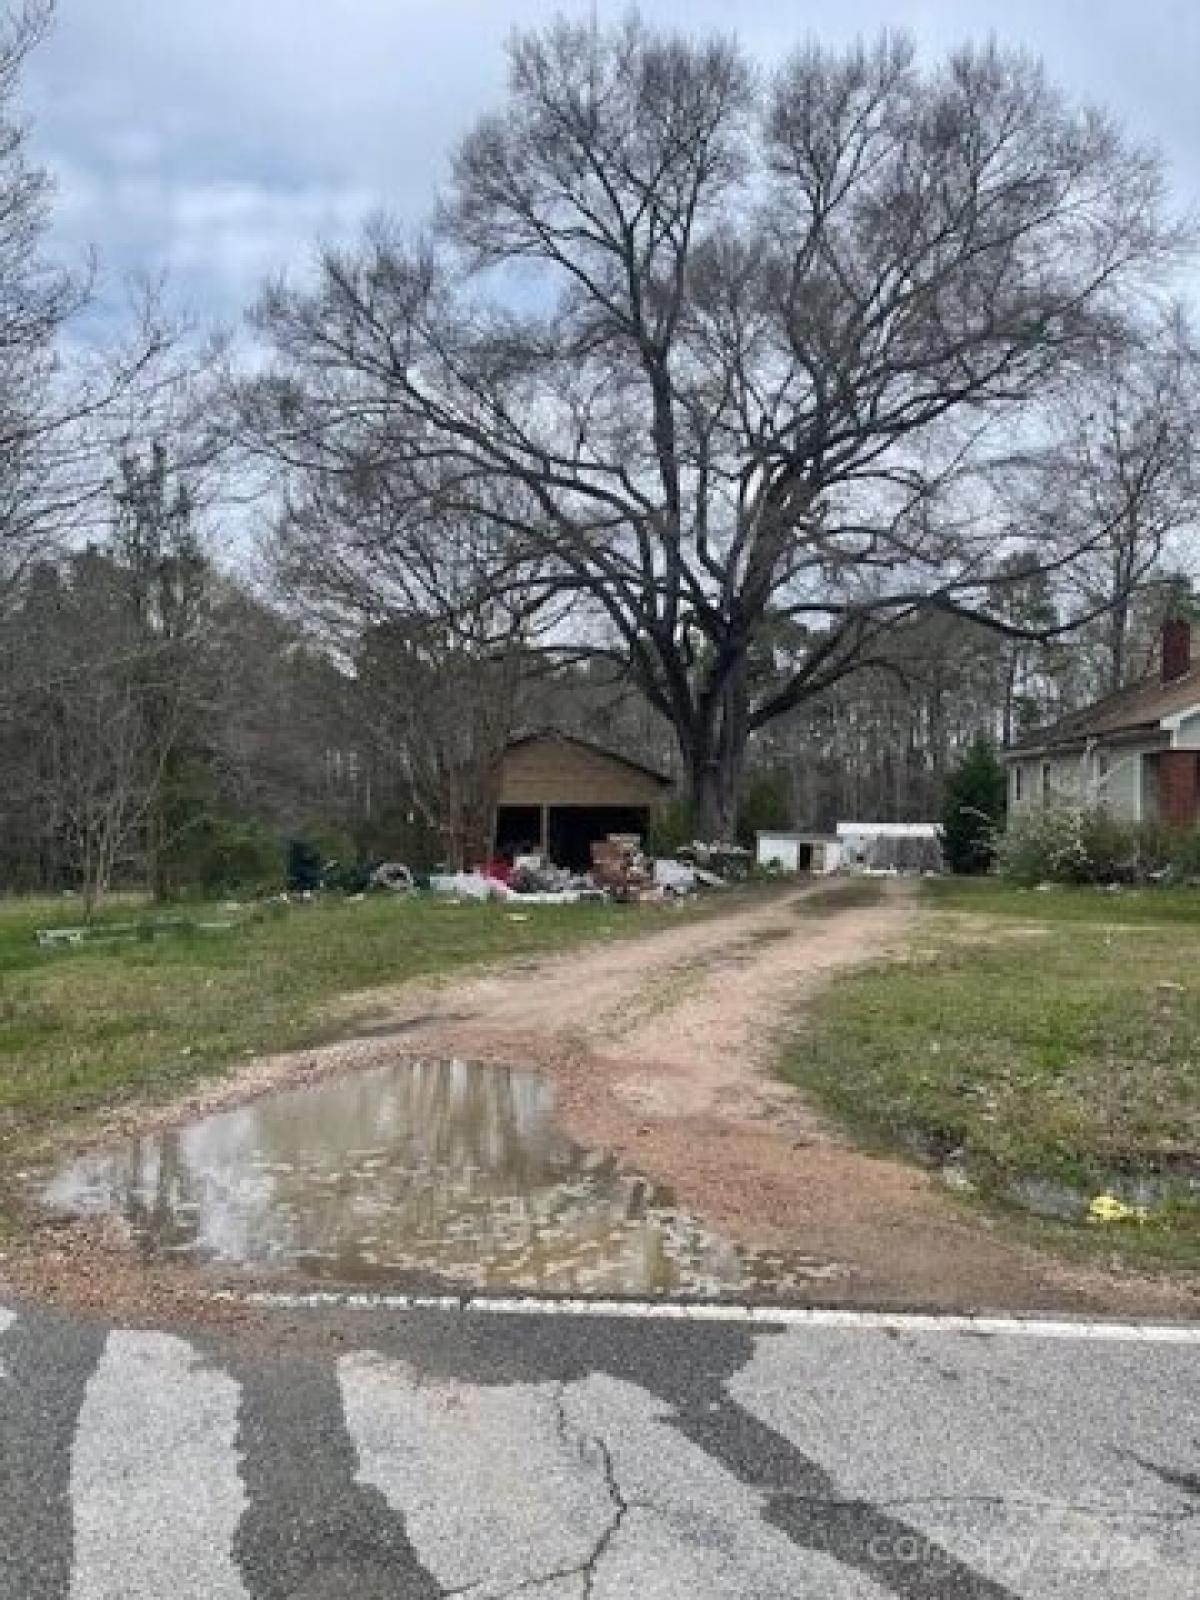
(1138, 707)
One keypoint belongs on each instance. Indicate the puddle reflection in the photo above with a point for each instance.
(442, 1168)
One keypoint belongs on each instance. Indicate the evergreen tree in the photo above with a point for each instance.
(973, 811)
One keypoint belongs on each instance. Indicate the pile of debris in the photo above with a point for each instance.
(621, 871)
(529, 879)
(533, 874)
(620, 868)
(717, 863)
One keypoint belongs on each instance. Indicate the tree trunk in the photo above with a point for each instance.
(92, 889)
(711, 802)
(714, 757)
(99, 855)
(156, 866)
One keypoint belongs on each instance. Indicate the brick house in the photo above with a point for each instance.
(1136, 753)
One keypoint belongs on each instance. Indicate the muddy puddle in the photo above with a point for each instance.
(435, 1169)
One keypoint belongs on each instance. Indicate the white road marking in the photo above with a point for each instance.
(568, 1490)
(492, 1491)
(154, 1476)
(7, 1318)
(1031, 1327)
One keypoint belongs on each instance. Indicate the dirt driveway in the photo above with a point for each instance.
(662, 1050)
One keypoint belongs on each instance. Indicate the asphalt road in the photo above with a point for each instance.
(364, 1454)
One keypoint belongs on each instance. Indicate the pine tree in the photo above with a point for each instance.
(973, 810)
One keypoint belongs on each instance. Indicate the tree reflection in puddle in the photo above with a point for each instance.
(441, 1168)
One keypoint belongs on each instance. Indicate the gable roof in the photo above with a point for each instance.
(554, 735)
(1138, 708)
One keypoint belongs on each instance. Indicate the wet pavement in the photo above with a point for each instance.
(442, 1169)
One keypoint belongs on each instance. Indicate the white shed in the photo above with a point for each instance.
(798, 852)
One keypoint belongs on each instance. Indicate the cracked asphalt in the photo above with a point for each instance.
(357, 1455)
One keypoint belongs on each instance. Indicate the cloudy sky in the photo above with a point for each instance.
(215, 139)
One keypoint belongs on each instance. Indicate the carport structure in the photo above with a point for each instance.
(559, 794)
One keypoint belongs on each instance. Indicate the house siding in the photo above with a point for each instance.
(1118, 788)
(1115, 778)
(555, 772)
(1135, 753)
(1044, 779)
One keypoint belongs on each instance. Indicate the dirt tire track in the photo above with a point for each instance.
(662, 1049)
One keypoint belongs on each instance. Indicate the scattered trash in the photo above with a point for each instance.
(146, 931)
(621, 871)
(619, 866)
(534, 875)
(1108, 1208)
(728, 862)
(54, 938)
(676, 876)
(393, 875)
(468, 886)
(553, 897)
(1136, 1198)
(957, 1178)
(710, 880)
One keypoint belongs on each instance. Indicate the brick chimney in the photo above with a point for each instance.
(1176, 649)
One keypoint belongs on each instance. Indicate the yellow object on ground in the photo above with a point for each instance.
(1107, 1208)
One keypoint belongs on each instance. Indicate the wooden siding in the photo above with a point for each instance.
(555, 772)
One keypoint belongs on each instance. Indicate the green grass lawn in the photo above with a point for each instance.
(1100, 906)
(88, 1027)
(1039, 1035)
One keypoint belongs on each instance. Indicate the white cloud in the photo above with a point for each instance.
(240, 233)
(218, 138)
(216, 241)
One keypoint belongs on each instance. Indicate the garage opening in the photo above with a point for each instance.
(518, 831)
(560, 795)
(570, 831)
(574, 829)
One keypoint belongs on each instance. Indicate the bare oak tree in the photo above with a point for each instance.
(104, 718)
(64, 407)
(1118, 464)
(440, 706)
(36, 299)
(736, 348)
